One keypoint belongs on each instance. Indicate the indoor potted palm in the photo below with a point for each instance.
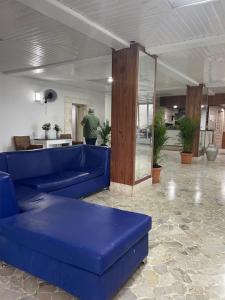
(159, 140)
(187, 127)
(105, 132)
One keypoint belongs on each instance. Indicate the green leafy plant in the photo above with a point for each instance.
(187, 127)
(160, 136)
(57, 128)
(105, 132)
(46, 126)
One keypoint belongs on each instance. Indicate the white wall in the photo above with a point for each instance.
(108, 106)
(19, 115)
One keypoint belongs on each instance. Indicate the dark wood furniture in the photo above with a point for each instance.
(23, 143)
(223, 141)
(194, 100)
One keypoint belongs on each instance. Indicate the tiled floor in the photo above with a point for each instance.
(187, 242)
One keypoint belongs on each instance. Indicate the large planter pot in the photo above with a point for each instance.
(211, 152)
(156, 174)
(186, 158)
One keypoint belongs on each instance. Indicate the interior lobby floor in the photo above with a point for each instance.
(187, 242)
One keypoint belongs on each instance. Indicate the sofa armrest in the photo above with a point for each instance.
(107, 165)
(96, 157)
(8, 203)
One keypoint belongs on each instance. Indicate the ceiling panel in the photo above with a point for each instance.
(194, 62)
(93, 74)
(153, 22)
(31, 39)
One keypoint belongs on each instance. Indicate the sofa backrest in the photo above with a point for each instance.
(3, 163)
(8, 203)
(27, 164)
(95, 157)
(66, 158)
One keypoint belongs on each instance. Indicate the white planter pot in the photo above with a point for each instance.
(211, 152)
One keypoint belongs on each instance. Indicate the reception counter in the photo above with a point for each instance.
(174, 142)
(173, 138)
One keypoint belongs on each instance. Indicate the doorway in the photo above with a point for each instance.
(78, 112)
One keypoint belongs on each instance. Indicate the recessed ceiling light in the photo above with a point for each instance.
(110, 79)
(38, 71)
(202, 106)
(183, 3)
(175, 106)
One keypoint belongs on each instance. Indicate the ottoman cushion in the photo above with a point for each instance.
(78, 233)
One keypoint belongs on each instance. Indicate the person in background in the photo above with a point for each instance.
(90, 124)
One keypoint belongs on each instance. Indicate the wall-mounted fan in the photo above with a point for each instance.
(50, 96)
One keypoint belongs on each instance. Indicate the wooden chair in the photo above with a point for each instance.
(23, 143)
(65, 136)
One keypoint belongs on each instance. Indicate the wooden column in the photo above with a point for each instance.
(124, 111)
(194, 99)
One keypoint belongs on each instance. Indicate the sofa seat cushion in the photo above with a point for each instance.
(24, 193)
(52, 182)
(85, 235)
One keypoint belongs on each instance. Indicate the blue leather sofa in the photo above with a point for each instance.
(86, 249)
(68, 171)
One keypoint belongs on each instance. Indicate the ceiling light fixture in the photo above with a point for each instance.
(175, 106)
(202, 106)
(183, 3)
(110, 79)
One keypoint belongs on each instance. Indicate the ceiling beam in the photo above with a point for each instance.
(178, 73)
(189, 44)
(73, 19)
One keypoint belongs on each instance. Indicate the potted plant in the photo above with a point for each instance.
(105, 132)
(187, 127)
(46, 127)
(57, 130)
(158, 141)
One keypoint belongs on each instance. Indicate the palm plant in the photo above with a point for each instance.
(187, 127)
(160, 137)
(105, 132)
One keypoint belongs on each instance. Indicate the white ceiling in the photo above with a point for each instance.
(153, 22)
(184, 38)
(189, 41)
(31, 39)
(89, 73)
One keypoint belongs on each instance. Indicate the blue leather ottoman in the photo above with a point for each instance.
(86, 249)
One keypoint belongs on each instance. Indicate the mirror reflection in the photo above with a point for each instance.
(146, 84)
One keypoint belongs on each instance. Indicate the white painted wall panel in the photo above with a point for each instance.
(19, 115)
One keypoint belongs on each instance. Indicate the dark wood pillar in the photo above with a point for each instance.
(194, 100)
(124, 111)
